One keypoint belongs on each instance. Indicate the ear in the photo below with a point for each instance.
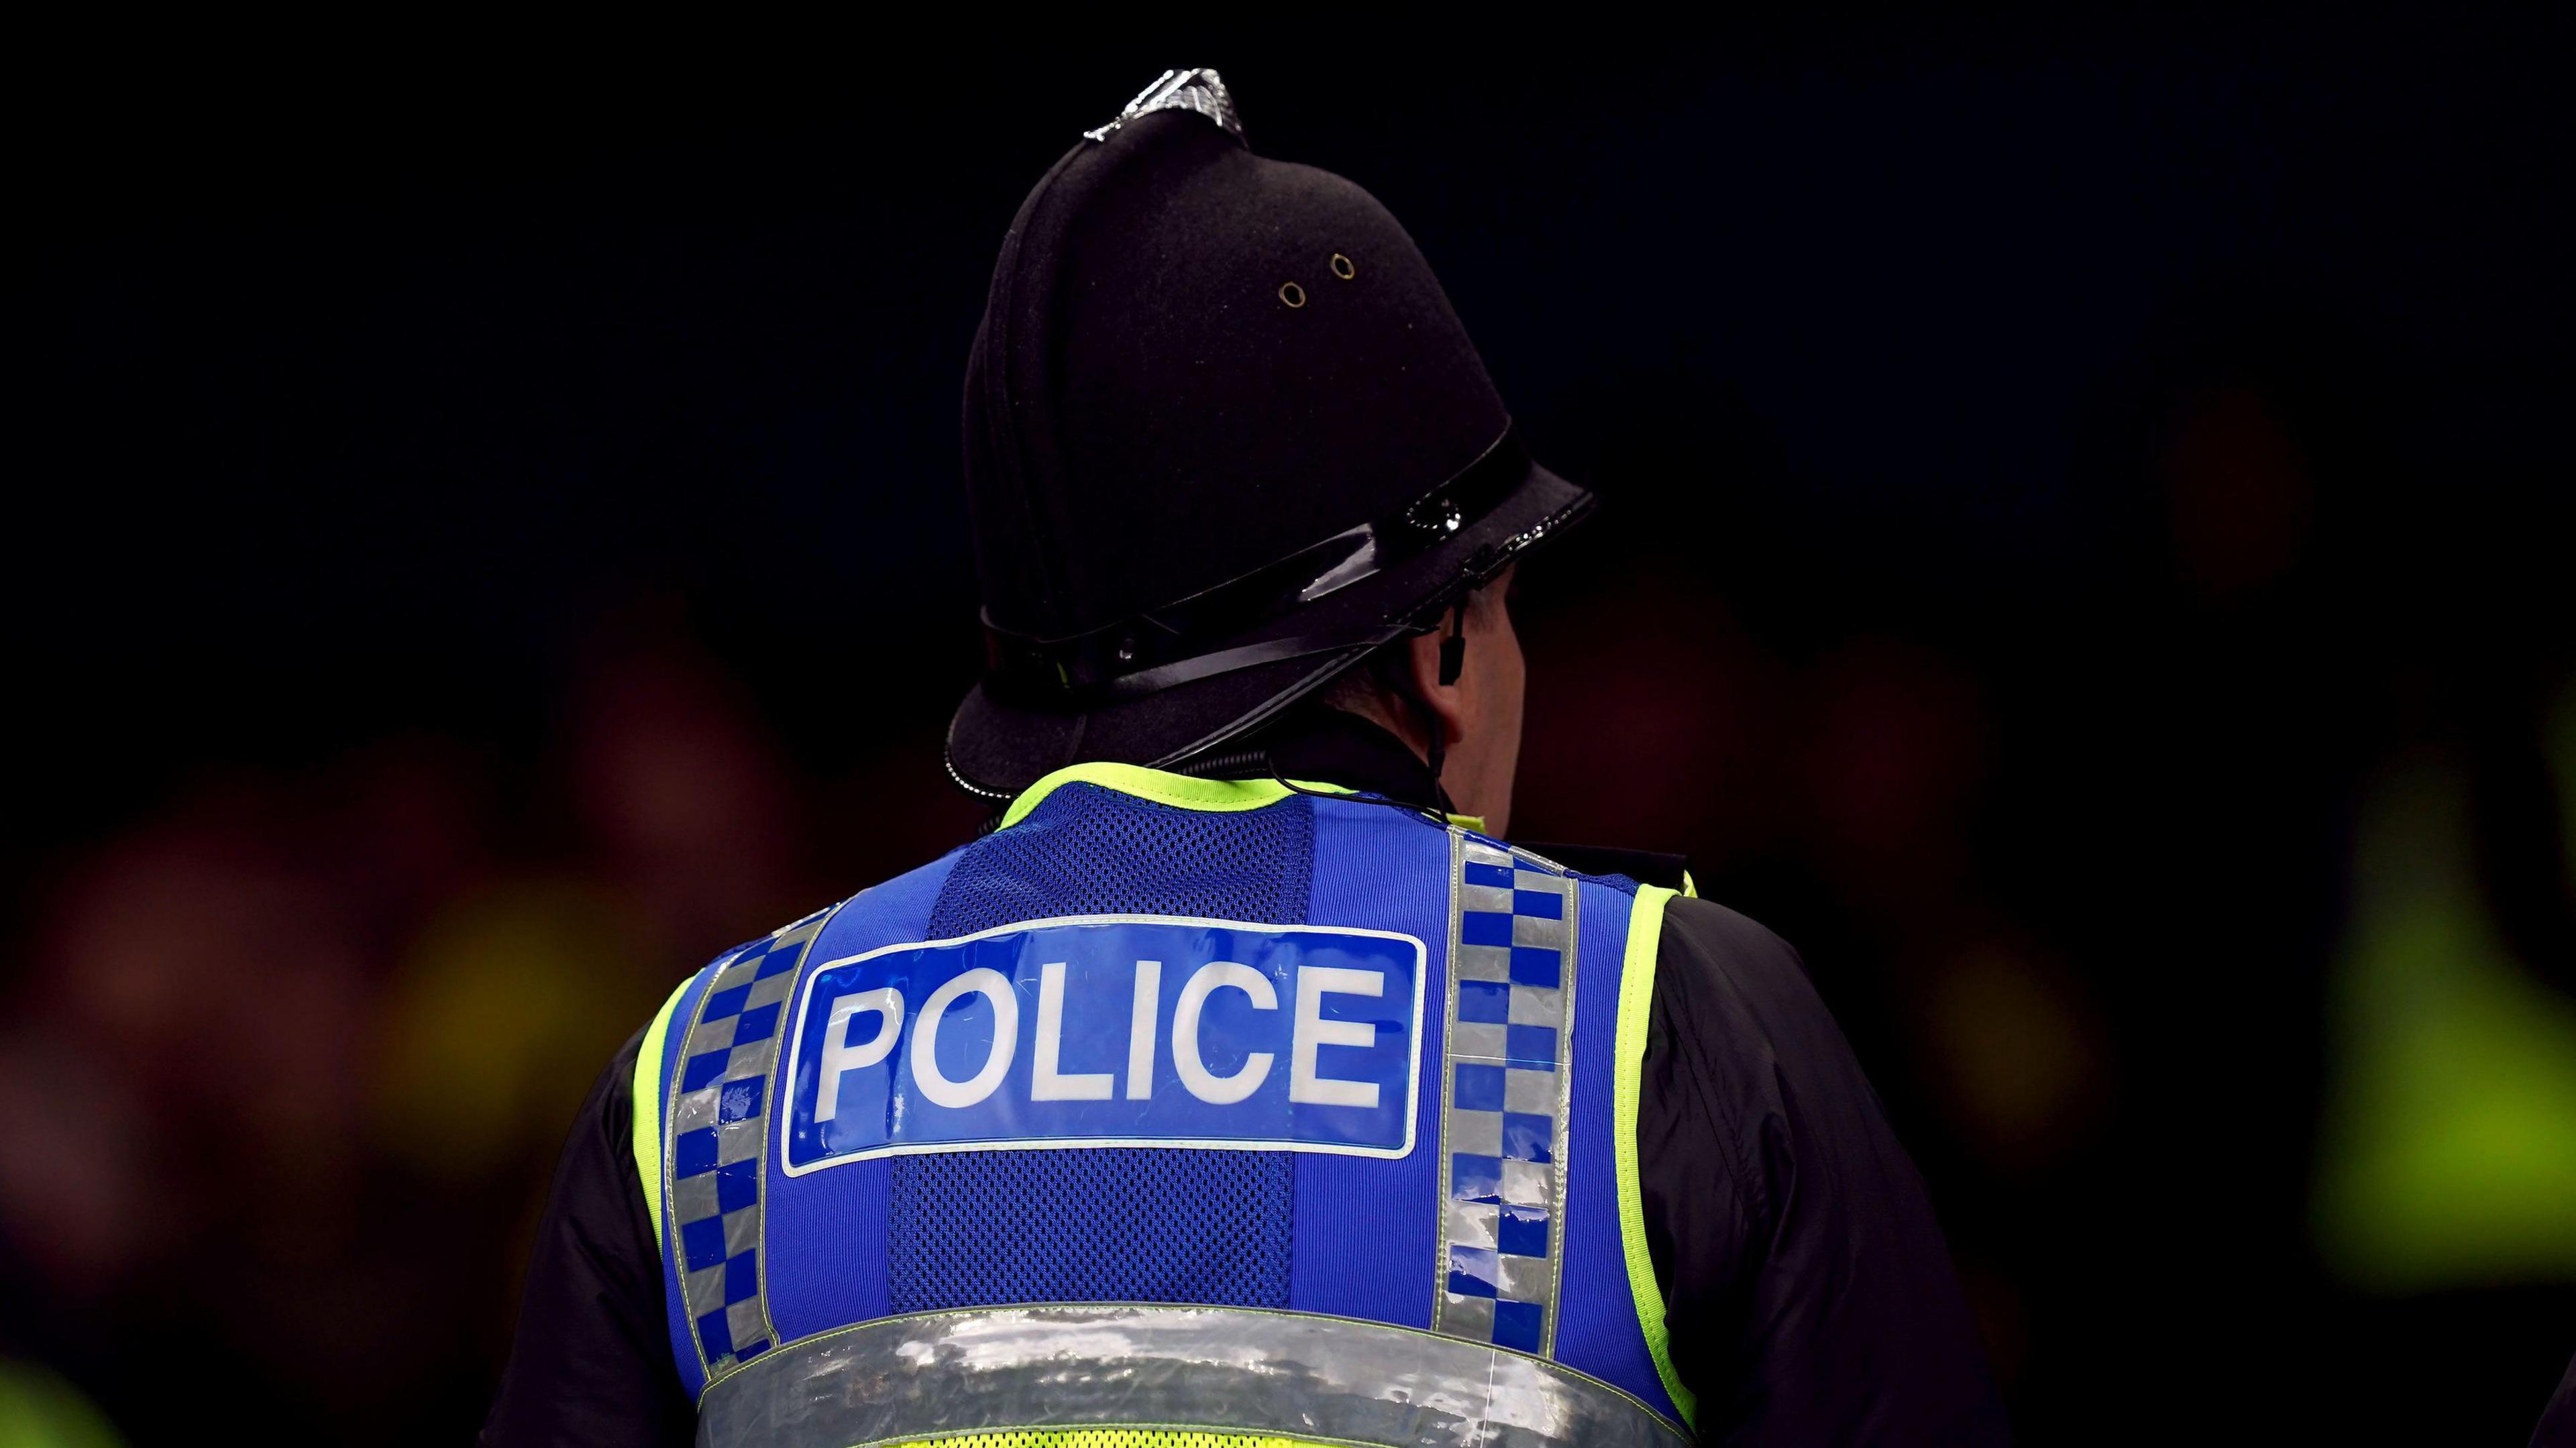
(1448, 701)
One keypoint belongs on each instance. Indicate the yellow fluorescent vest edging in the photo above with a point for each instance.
(1182, 791)
(1636, 998)
(1146, 1437)
(647, 1106)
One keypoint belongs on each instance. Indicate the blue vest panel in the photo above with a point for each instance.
(1255, 1050)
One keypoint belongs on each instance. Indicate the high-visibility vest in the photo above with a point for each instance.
(1173, 1111)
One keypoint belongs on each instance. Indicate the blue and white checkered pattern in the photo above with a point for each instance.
(1507, 1066)
(716, 1136)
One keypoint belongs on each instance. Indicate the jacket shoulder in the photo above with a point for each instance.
(1724, 935)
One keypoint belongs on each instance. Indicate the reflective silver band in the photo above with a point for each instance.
(1203, 1369)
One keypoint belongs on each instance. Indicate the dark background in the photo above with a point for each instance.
(2085, 555)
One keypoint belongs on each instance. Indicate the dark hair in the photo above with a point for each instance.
(1385, 677)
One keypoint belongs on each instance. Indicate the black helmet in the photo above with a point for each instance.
(1223, 436)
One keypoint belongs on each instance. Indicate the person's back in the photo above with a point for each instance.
(1241, 1083)
(1286, 1053)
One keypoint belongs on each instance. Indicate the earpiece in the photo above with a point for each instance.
(1453, 649)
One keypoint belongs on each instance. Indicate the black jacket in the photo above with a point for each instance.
(1808, 1293)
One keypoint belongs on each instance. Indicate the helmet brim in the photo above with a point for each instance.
(997, 749)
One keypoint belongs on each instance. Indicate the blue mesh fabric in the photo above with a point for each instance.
(1620, 883)
(1092, 851)
(974, 1229)
(1117, 1224)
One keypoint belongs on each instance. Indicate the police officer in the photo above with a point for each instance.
(1241, 1085)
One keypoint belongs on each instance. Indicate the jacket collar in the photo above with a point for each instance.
(1336, 745)
(1329, 752)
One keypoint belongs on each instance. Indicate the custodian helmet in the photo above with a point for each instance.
(1223, 436)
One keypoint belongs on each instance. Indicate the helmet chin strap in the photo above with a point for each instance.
(1431, 754)
(1453, 663)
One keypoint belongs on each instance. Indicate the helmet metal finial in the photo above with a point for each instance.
(1199, 90)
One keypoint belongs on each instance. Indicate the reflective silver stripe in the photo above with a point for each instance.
(1506, 1081)
(1202, 1369)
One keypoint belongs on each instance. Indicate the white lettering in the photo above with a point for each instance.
(839, 1055)
(1140, 1030)
(957, 1095)
(1047, 1083)
(1313, 983)
(1204, 1084)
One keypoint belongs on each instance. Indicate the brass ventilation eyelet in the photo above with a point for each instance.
(1293, 294)
(1342, 267)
